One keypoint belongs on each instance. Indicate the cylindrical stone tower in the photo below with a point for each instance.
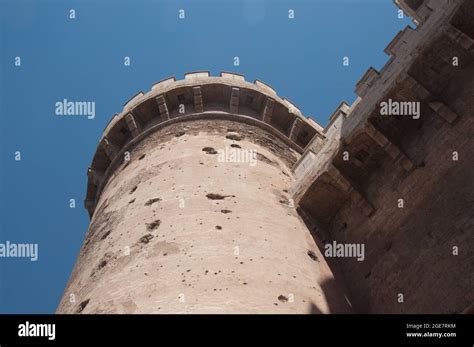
(190, 211)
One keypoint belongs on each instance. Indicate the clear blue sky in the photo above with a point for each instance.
(82, 60)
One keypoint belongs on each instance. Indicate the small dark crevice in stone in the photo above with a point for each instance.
(142, 156)
(218, 227)
(209, 150)
(233, 136)
(131, 201)
(282, 298)
(105, 235)
(82, 306)
(133, 189)
(153, 225)
(226, 211)
(152, 201)
(214, 196)
(146, 238)
(126, 164)
(234, 145)
(312, 255)
(102, 264)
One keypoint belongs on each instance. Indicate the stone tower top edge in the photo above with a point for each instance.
(197, 78)
(198, 96)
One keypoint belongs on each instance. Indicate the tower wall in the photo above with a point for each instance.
(194, 223)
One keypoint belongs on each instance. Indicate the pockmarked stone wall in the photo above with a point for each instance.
(196, 217)
(215, 195)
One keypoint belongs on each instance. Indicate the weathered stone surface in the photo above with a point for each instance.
(416, 173)
(197, 258)
(178, 230)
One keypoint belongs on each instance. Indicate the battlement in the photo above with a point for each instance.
(419, 10)
(197, 96)
(445, 33)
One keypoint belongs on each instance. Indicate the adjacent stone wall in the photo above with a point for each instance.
(204, 236)
(402, 186)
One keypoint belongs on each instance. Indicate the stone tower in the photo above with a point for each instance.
(190, 210)
(212, 194)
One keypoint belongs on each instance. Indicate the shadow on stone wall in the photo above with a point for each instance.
(334, 297)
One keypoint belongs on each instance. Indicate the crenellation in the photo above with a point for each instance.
(265, 87)
(133, 101)
(291, 107)
(366, 82)
(196, 75)
(419, 10)
(163, 83)
(399, 45)
(341, 112)
(232, 76)
(111, 123)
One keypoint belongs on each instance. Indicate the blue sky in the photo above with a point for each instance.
(82, 59)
